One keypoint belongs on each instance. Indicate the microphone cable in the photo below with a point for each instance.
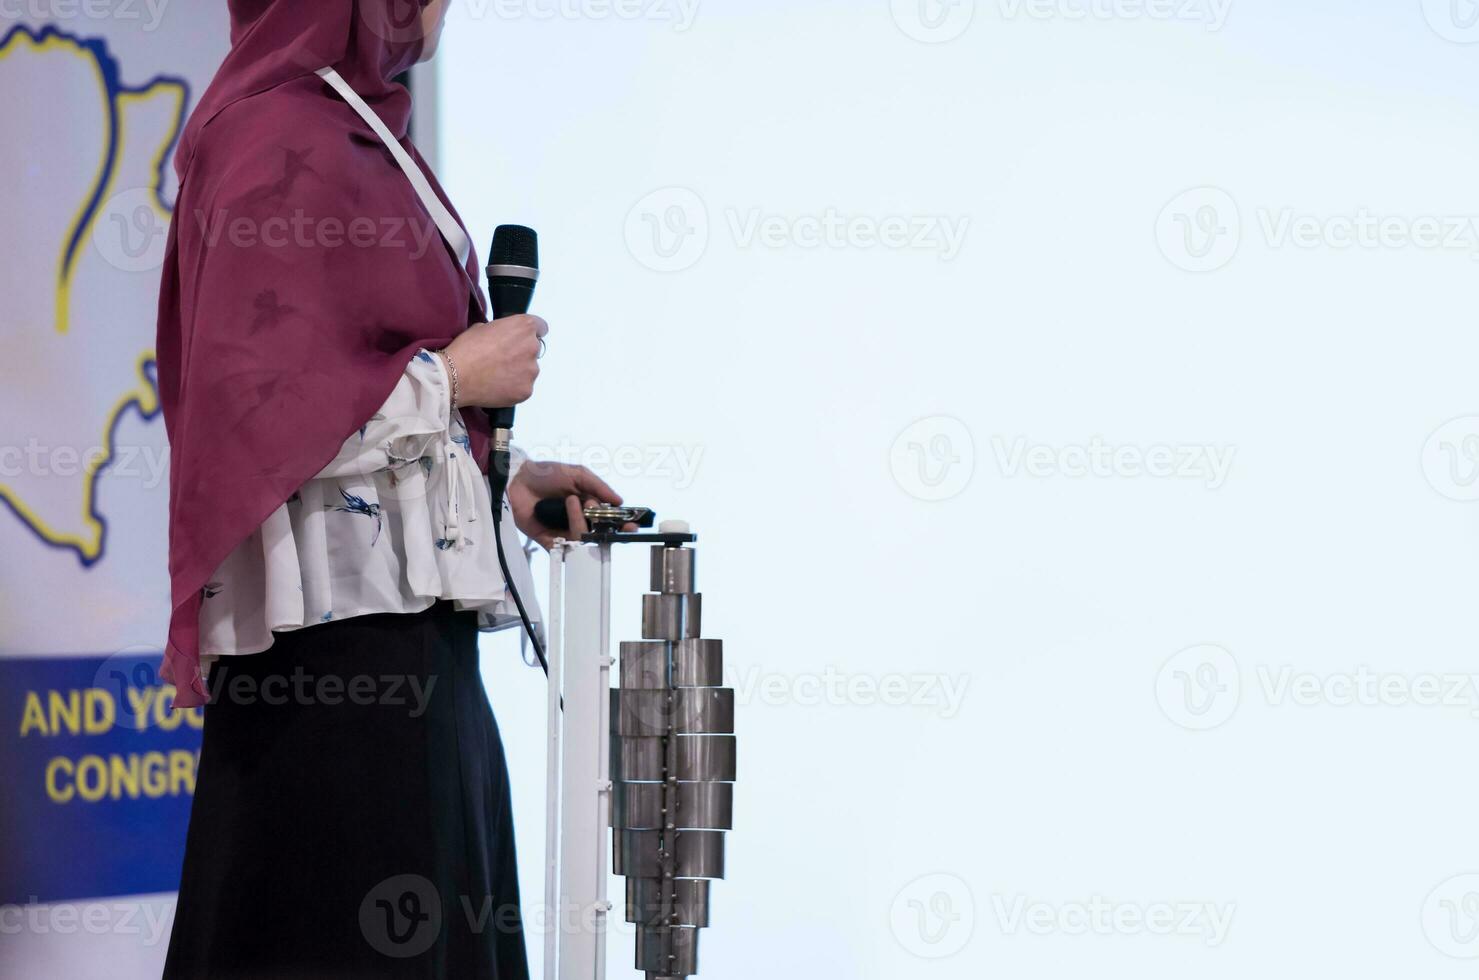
(513, 590)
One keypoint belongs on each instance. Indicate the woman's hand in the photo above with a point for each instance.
(579, 486)
(497, 363)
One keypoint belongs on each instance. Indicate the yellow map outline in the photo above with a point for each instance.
(89, 544)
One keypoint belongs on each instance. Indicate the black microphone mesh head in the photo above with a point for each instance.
(514, 245)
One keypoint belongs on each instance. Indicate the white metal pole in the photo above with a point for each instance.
(581, 878)
(603, 764)
(555, 658)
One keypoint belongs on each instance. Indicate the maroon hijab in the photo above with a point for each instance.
(302, 275)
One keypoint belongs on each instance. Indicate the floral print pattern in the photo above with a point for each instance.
(381, 529)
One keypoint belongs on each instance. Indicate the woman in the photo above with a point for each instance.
(322, 358)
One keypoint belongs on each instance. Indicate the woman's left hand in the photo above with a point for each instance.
(579, 486)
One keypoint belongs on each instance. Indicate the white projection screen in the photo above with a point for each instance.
(1076, 405)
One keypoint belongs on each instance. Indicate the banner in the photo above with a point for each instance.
(97, 775)
(99, 782)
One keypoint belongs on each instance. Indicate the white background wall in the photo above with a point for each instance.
(829, 392)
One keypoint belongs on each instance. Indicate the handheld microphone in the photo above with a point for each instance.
(513, 271)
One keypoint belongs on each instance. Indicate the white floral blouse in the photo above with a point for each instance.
(399, 520)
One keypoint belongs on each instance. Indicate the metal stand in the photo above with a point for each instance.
(664, 784)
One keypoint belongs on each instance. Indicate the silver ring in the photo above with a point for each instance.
(540, 355)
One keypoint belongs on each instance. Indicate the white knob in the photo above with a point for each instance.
(673, 527)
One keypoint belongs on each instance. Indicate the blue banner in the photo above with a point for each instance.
(98, 776)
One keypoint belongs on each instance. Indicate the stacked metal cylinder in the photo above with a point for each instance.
(673, 769)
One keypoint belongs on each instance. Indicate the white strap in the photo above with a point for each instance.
(450, 229)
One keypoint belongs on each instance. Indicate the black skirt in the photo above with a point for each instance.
(351, 815)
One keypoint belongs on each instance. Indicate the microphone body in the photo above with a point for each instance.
(513, 271)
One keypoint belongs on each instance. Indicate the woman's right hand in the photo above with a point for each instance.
(498, 362)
